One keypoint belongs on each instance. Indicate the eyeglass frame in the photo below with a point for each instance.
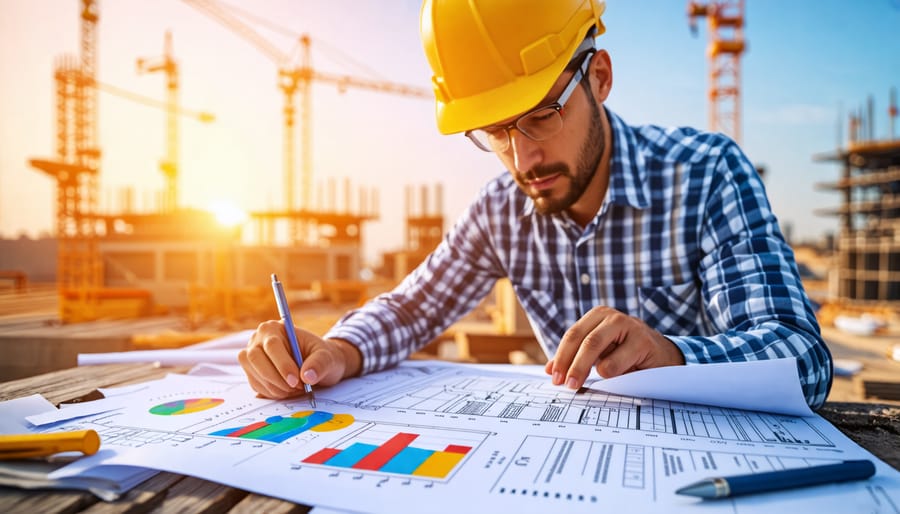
(558, 106)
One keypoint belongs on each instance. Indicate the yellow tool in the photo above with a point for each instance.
(23, 446)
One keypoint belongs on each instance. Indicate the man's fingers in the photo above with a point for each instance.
(622, 358)
(256, 361)
(599, 342)
(570, 345)
(277, 348)
(258, 385)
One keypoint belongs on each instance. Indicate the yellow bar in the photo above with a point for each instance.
(438, 464)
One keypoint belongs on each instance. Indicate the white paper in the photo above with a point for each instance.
(766, 385)
(178, 357)
(106, 482)
(464, 438)
(235, 340)
(13, 413)
(211, 370)
(116, 398)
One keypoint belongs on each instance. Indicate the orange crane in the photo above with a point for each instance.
(169, 165)
(725, 22)
(295, 75)
(76, 168)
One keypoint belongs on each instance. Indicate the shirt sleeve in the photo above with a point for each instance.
(751, 287)
(451, 281)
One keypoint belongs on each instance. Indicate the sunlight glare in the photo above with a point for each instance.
(227, 213)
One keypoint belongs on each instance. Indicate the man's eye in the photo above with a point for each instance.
(541, 116)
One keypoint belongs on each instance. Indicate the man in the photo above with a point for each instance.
(628, 247)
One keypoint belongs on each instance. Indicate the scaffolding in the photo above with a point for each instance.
(867, 266)
(75, 170)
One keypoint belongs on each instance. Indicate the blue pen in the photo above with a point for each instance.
(285, 313)
(726, 487)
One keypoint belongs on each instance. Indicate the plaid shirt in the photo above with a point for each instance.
(684, 240)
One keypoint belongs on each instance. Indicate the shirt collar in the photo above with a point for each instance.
(627, 170)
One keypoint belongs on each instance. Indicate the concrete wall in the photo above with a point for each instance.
(36, 257)
(28, 356)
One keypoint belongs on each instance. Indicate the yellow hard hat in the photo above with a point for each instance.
(494, 59)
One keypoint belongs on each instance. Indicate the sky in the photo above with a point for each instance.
(808, 62)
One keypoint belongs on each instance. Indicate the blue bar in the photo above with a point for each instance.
(407, 460)
(351, 455)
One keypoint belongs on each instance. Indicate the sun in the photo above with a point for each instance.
(227, 213)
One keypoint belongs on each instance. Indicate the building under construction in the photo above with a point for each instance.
(125, 263)
(867, 263)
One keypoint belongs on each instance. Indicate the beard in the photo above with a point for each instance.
(588, 161)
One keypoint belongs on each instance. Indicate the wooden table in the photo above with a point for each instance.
(874, 426)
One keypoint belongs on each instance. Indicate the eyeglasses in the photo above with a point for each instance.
(538, 124)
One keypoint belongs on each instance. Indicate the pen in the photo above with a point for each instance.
(285, 314)
(724, 487)
(24, 446)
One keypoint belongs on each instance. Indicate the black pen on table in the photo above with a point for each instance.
(726, 487)
(285, 313)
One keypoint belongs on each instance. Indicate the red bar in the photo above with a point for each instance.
(247, 429)
(455, 448)
(385, 452)
(321, 456)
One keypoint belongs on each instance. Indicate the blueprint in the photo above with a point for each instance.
(438, 437)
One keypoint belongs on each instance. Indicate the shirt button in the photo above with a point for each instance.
(585, 279)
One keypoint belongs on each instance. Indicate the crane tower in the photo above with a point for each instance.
(725, 22)
(295, 75)
(75, 169)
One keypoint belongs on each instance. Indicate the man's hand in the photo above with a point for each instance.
(613, 342)
(272, 371)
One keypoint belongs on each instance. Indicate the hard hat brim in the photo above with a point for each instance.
(498, 104)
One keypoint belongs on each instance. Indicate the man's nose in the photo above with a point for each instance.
(526, 152)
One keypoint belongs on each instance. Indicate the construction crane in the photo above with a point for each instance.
(169, 165)
(725, 22)
(295, 75)
(75, 169)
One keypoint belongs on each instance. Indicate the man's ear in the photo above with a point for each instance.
(600, 75)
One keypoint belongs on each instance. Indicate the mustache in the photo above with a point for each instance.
(544, 170)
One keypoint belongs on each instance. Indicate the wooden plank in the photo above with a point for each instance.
(255, 503)
(143, 498)
(71, 383)
(493, 348)
(874, 426)
(194, 496)
(44, 502)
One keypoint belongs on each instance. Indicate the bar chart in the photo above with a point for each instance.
(413, 451)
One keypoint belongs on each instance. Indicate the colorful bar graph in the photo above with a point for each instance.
(438, 464)
(381, 455)
(321, 456)
(393, 456)
(350, 456)
(407, 461)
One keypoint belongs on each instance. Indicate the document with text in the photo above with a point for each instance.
(440, 437)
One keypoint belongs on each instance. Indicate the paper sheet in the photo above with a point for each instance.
(766, 385)
(443, 438)
(178, 357)
(106, 482)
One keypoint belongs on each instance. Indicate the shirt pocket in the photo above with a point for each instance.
(672, 309)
